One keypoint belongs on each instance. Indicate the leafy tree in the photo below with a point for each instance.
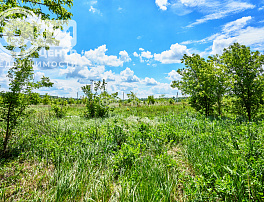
(35, 98)
(60, 111)
(71, 101)
(221, 81)
(95, 105)
(17, 98)
(20, 76)
(46, 99)
(151, 99)
(196, 82)
(132, 97)
(245, 67)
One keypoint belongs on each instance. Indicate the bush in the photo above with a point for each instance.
(171, 101)
(151, 100)
(60, 111)
(95, 109)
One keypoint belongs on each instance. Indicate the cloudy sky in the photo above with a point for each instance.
(136, 45)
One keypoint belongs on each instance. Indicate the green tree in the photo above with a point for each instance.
(132, 97)
(96, 105)
(151, 99)
(197, 80)
(245, 67)
(221, 81)
(35, 98)
(46, 99)
(20, 76)
(17, 98)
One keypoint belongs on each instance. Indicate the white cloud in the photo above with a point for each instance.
(223, 11)
(234, 31)
(99, 57)
(77, 59)
(146, 54)
(150, 81)
(92, 73)
(68, 87)
(92, 8)
(164, 88)
(162, 4)
(174, 76)
(95, 10)
(5, 62)
(193, 3)
(124, 56)
(173, 55)
(250, 36)
(236, 25)
(38, 76)
(143, 55)
(128, 75)
(135, 54)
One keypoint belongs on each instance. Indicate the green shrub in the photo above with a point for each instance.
(95, 108)
(60, 111)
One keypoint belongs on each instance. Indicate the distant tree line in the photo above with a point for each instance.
(235, 77)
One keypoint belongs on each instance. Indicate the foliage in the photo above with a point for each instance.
(149, 153)
(35, 98)
(151, 99)
(17, 98)
(71, 101)
(60, 111)
(46, 99)
(132, 98)
(197, 81)
(97, 105)
(20, 76)
(171, 101)
(245, 67)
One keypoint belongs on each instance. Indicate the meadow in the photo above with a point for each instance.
(144, 153)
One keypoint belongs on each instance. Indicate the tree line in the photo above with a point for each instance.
(236, 75)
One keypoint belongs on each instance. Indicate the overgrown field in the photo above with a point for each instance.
(148, 153)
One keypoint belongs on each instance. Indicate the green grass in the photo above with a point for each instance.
(147, 153)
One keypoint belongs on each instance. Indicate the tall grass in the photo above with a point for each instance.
(128, 157)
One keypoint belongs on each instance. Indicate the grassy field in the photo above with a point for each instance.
(148, 153)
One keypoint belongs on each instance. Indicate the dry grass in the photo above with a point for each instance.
(19, 180)
(185, 171)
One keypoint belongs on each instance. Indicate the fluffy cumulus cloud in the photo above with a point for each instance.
(173, 55)
(174, 76)
(92, 73)
(128, 75)
(55, 58)
(99, 57)
(144, 56)
(150, 81)
(136, 54)
(124, 56)
(77, 59)
(162, 4)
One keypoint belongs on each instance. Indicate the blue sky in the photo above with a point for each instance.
(136, 45)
